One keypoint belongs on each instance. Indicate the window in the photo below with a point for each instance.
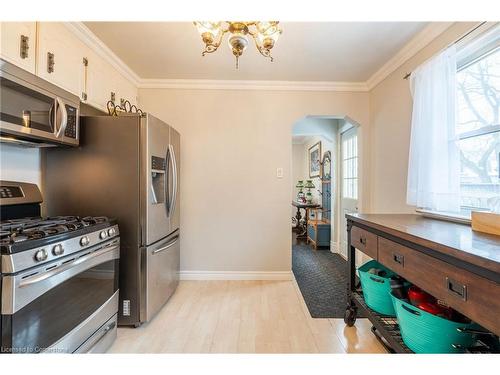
(350, 164)
(478, 124)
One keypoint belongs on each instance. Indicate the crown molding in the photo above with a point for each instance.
(205, 84)
(95, 44)
(419, 41)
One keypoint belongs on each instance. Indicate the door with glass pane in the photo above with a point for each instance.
(348, 181)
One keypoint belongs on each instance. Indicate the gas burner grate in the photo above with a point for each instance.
(20, 230)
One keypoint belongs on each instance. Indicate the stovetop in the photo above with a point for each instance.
(27, 233)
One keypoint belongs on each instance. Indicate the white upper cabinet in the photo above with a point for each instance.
(100, 82)
(54, 52)
(125, 90)
(60, 57)
(103, 80)
(18, 44)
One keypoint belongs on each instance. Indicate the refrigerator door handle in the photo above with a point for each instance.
(167, 182)
(169, 245)
(174, 176)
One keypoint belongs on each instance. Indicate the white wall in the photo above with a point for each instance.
(235, 213)
(298, 170)
(390, 114)
(20, 164)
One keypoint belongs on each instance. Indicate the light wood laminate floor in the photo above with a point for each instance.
(243, 317)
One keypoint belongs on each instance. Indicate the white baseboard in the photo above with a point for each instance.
(236, 275)
(334, 247)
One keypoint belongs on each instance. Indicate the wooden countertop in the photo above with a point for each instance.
(452, 239)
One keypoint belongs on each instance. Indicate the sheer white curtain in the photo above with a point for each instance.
(434, 162)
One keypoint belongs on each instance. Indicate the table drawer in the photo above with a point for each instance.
(364, 241)
(472, 295)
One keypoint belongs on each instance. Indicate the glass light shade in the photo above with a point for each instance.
(238, 41)
(208, 27)
(267, 29)
(309, 184)
(300, 184)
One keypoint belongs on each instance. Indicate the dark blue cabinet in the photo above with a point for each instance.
(319, 231)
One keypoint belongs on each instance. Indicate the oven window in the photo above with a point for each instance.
(48, 318)
(22, 106)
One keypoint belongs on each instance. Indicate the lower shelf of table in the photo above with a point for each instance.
(386, 327)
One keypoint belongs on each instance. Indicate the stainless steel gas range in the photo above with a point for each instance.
(59, 277)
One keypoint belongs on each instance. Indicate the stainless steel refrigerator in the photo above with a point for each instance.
(126, 167)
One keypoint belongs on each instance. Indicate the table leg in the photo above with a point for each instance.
(298, 217)
(301, 225)
(351, 310)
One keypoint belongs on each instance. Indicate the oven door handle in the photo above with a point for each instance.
(44, 276)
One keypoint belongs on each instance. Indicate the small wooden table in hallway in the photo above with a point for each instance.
(301, 227)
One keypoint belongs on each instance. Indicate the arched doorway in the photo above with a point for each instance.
(325, 185)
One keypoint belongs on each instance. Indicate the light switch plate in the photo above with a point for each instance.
(279, 172)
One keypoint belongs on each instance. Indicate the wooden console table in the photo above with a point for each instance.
(448, 260)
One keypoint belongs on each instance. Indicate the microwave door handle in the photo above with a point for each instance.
(174, 177)
(64, 117)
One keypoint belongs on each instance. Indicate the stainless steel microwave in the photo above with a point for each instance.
(34, 112)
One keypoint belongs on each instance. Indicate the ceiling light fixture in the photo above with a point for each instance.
(265, 34)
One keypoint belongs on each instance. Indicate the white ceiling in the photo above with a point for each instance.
(306, 51)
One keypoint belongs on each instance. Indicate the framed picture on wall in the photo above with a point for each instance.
(315, 160)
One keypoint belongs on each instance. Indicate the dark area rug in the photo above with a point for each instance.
(322, 279)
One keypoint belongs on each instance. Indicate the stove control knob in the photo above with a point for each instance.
(103, 235)
(111, 232)
(41, 255)
(84, 241)
(57, 249)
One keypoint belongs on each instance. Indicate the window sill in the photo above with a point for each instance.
(455, 218)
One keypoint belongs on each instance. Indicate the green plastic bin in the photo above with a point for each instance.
(423, 332)
(377, 289)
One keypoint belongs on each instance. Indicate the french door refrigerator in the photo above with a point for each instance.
(126, 167)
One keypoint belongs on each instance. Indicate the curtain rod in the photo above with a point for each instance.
(408, 75)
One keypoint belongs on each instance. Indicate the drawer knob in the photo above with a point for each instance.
(362, 240)
(400, 259)
(457, 289)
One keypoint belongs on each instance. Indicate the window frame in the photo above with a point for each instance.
(467, 56)
(354, 158)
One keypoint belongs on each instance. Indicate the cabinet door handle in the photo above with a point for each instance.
(400, 259)
(23, 51)
(456, 288)
(50, 62)
(362, 240)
